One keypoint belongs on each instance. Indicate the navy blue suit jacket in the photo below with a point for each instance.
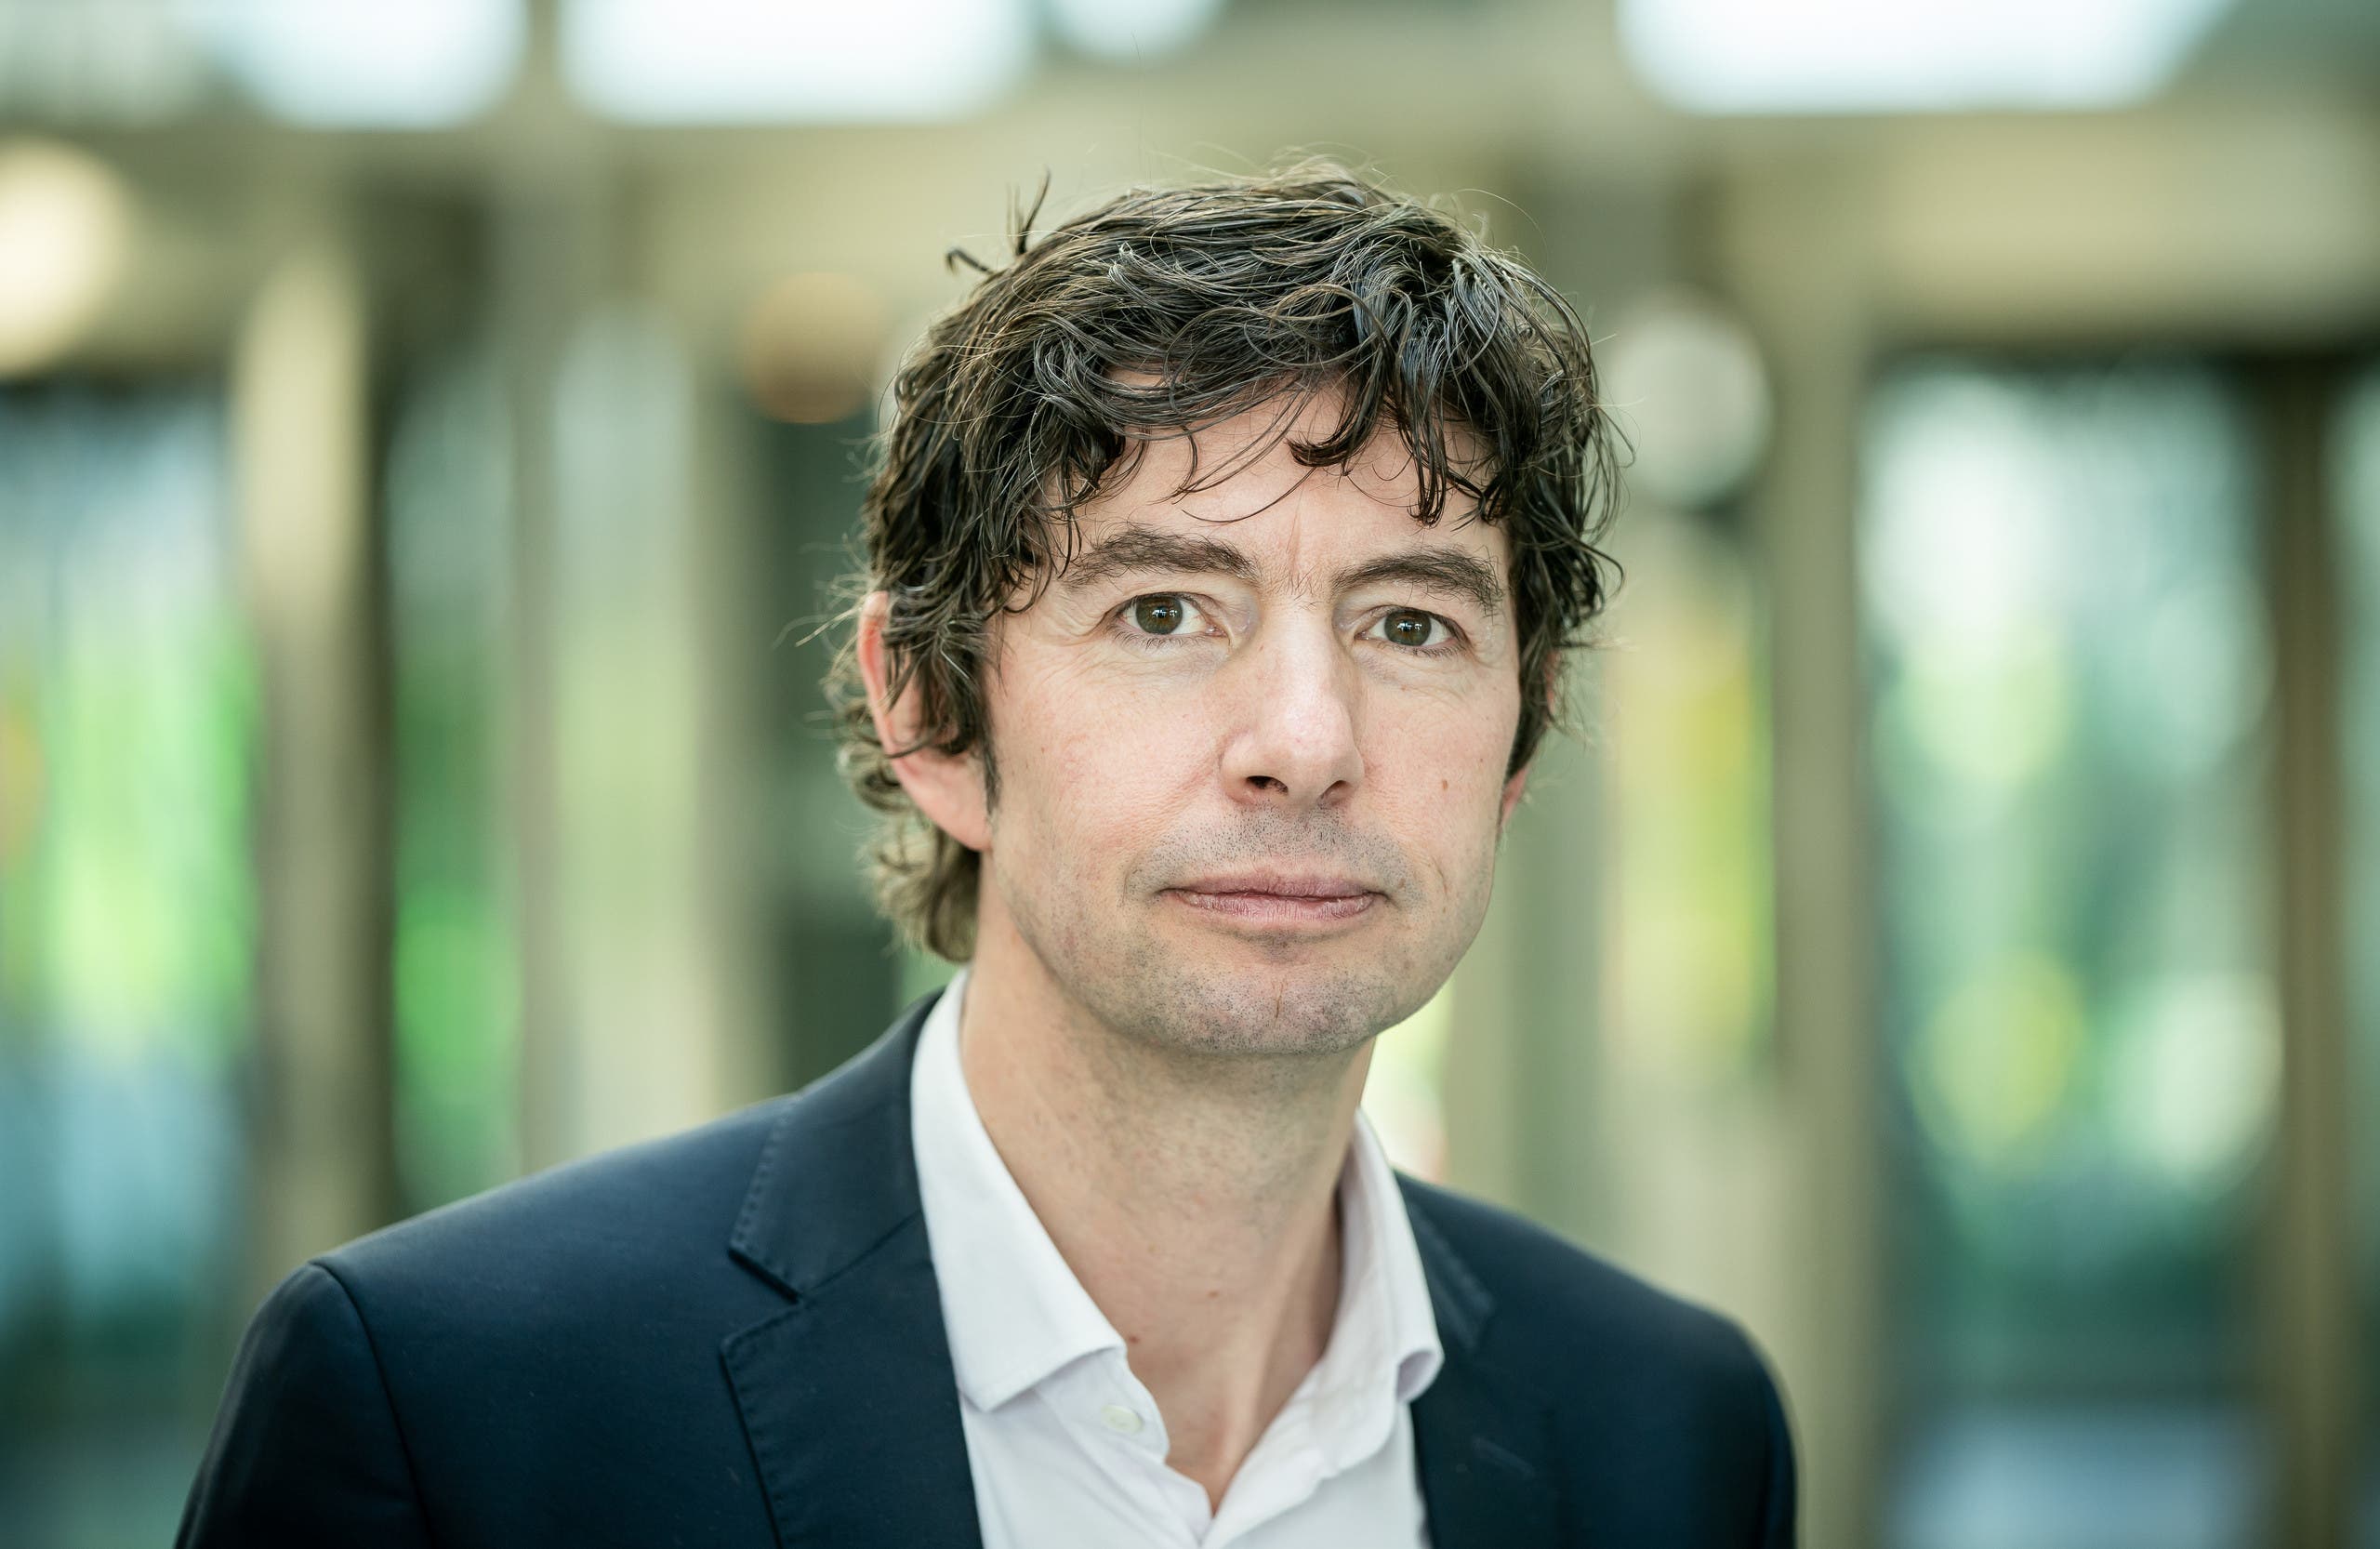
(734, 1337)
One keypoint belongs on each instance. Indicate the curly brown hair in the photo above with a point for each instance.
(1162, 311)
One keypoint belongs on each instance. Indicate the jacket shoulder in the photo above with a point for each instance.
(537, 1363)
(1666, 1406)
(1582, 1317)
(636, 1220)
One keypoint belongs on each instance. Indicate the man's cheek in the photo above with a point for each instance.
(1080, 771)
(1106, 745)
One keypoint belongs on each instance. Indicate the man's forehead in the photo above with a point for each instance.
(1225, 476)
(1254, 541)
(1329, 542)
(1255, 452)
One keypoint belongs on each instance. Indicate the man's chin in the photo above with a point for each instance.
(1234, 997)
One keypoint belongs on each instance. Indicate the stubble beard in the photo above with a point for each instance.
(1180, 989)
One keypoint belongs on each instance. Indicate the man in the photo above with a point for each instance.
(1222, 554)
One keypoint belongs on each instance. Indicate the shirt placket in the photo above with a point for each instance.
(1115, 1420)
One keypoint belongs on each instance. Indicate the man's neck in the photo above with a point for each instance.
(1191, 1194)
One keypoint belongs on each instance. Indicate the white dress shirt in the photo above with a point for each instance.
(1065, 1444)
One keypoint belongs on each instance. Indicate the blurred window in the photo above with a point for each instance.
(834, 972)
(1856, 56)
(126, 732)
(1690, 962)
(415, 65)
(2063, 638)
(457, 960)
(827, 61)
(710, 61)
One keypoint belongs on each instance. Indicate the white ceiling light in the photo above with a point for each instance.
(1131, 29)
(65, 221)
(122, 63)
(1880, 56)
(419, 64)
(722, 62)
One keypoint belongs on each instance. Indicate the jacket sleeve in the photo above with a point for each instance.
(306, 1448)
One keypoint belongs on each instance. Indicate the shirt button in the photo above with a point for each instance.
(1119, 1418)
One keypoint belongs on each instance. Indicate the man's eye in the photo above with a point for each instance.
(1161, 615)
(1414, 628)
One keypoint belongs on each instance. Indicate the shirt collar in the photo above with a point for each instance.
(1016, 1314)
(1383, 1348)
(1380, 1247)
(1014, 1311)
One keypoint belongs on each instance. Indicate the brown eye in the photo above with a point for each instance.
(1408, 627)
(1158, 615)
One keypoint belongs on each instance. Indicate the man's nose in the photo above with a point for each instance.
(1295, 743)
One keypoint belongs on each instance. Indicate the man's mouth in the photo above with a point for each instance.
(1277, 897)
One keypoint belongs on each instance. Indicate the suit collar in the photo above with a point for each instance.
(836, 1176)
(856, 1371)
(846, 1395)
(1483, 1441)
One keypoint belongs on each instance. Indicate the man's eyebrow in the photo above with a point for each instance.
(1443, 570)
(1135, 548)
(1132, 550)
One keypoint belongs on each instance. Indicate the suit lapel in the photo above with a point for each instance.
(847, 1395)
(1483, 1446)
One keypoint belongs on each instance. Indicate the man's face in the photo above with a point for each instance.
(1251, 746)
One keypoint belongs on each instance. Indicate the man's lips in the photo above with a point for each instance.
(1277, 896)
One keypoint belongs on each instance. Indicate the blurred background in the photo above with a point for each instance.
(428, 428)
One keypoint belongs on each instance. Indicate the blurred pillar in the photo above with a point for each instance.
(1787, 244)
(2311, 1338)
(551, 247)
(325, 1158)
(636, 768)
(621, 773)
(1486, 1066)
(1520, 1077)
(629, 835)
(532, 305)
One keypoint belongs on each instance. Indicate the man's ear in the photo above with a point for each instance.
(947, 788)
